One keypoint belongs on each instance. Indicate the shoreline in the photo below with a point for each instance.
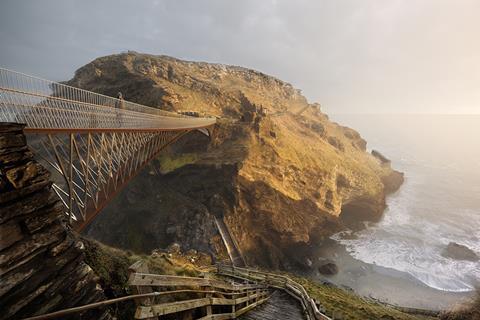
(386, 285)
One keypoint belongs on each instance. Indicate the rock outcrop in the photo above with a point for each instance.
(281, 175)
(328, 269)
(459, 252)
(41, 262)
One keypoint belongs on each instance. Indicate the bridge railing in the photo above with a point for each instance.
(278, 281)
(43, 104)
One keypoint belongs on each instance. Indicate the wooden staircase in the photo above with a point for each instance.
(200, 298)
(280, 306)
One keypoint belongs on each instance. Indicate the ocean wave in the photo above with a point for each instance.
(437, 204)
(423, 263)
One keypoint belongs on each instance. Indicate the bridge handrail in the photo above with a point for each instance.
(28, 84)
(44, 104)
(278, 281)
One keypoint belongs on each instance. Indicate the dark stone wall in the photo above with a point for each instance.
(42, 266)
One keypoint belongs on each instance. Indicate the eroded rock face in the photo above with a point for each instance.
(296, 173)
(41, 262)
(459, 252)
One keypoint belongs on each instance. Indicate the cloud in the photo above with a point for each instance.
(351, 56)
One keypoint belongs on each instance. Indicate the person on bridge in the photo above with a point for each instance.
(120, 104)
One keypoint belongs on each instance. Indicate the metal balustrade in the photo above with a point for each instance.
(96, 143)
(43, 104)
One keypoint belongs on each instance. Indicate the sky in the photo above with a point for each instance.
(351, 56)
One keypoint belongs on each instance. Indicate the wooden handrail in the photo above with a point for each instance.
(157, 280)
(240, 297)
(65, 312)
(145, 312)
(278, 281)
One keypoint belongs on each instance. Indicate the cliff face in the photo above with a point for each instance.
(280, 173)
(42, 266)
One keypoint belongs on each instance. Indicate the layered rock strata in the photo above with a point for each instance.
(42, 266)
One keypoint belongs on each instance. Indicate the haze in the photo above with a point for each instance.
(370, 56)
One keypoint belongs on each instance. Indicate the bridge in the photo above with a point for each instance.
(95, 143)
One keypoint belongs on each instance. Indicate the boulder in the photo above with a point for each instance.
(459, 252)
(328, 269)
(335, 142)
(318, 128)
(393, 181)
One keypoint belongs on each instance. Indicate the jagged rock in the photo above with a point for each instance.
(334, 141)
(10, 233)
(393, 181)
(318, 128)
(41, 268)
(328, 269)
(16, 155)
(381, 157)
(44, 217)
(11, 127)
(248, 116)
(9, 140)
(21, 175)
(459, 252)
(31, 244)
(28, 205)
(10, 194)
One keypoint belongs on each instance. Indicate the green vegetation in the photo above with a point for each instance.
(111, 265)
(170, 162)
(347, 305)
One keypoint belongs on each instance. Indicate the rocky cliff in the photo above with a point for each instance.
(280, 173)
(42, 266)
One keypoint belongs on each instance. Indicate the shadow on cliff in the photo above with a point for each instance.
(275, 230)
(158, 209)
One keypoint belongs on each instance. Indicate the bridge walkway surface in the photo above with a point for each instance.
(280, 306)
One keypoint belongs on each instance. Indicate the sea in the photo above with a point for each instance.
(439, 202)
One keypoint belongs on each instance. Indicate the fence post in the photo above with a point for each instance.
(141, 267)
(209, 296)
